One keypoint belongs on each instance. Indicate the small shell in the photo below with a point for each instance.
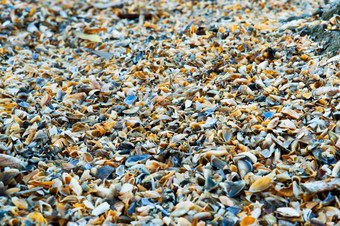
(287, 124)
(218, 163)
(102, 208)
(77, 96)
(131, 111)
(226, 201)
(75, 186)
(249, 221)
(7, 160)
(321, 185)
(260, 184)
(335, 20)
(336, 168)
(329, 90)
(286, 191)
(251, 156)
(182, 208)
(183, 222)
(291, 113)
(37, 217)
(273, 123)
(244, 166)
(20, 203)
(203, 216)
(232, 188)
(104, 172)
(246, 90)
(287, 212)
(126, 188)
(45, 100)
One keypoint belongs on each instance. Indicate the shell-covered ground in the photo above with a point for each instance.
(169, 112)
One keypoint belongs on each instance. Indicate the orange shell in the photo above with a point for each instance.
(260, 184)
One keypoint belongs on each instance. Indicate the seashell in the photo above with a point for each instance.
(136, 158)
(59, 96)
(66, 178)
(104, 192)
(336, 169)
(232, 188)
(102, 208)
(131, 111)
(77, 96)
(37, 218)
(152, 165)
(40, 136)
(338, 144)
(7, 160)
(183, 222)
(287, 212)
(210, 183)
(282, 177)
(182, 208)
(20, 203)
(218, 163)
(291, 113)
(261, 184)
(329, 90)
(335, 20)
(268, 114)
(244, 166)
(244, 89)
(21, 114)
(226, 201)
(104, 172)
(273, 123)
(209, 123)
(249, 221)
(88, 204)
(3, 148)
(152, 194)
(126, 188)
(228, 101)
(130, 100)
(178, 138)
(287, 124)
(286, 191)
(45, 100)
(75, 186)
(226, 134)
(321, 186)
(251, 156)
(203, 216)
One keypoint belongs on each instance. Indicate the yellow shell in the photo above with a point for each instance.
(37, 217)
(260, 184)
(247, 221)
(20, 203)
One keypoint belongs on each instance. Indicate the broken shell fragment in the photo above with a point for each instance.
(244, 166)
(20, 203)
(232, 188)
(330, 91)
(322, 185)
(218, 163)
(336, 170)
(102, 208)
(7, 160)
(287, 212)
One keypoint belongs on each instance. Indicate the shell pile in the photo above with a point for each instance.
(168, 112)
